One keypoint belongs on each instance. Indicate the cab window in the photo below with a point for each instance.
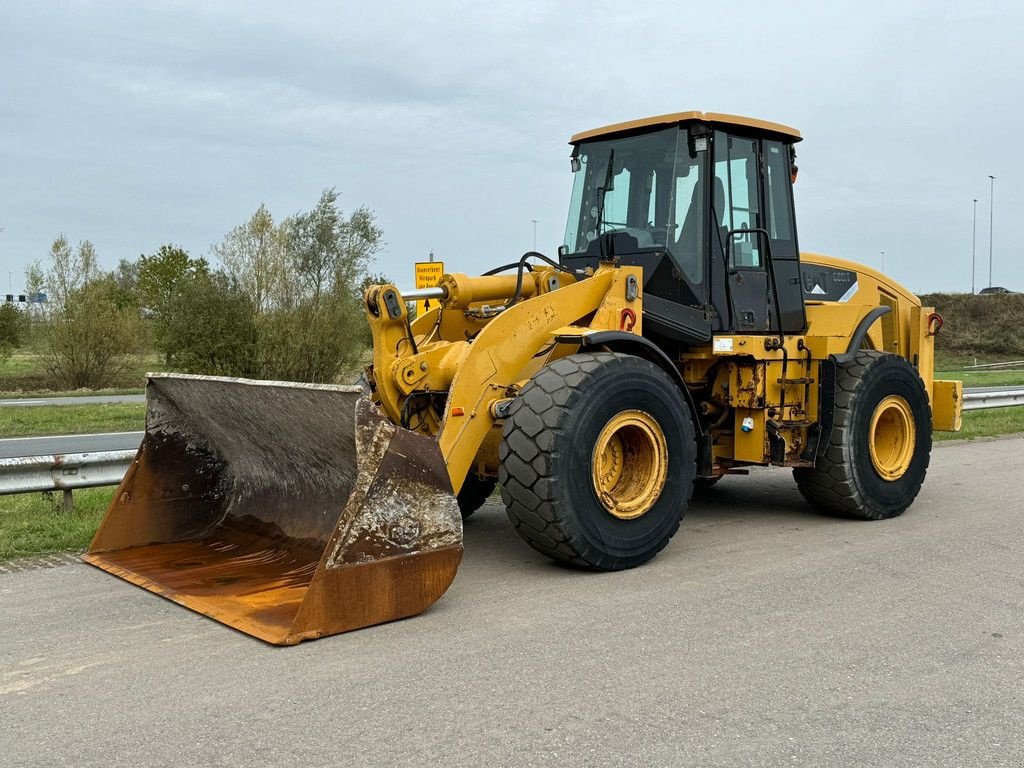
(736, 198)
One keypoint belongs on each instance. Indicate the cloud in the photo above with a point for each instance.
(134, 124)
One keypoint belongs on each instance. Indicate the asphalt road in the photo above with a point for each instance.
(22, 402)
(764, 635)
(45, 446)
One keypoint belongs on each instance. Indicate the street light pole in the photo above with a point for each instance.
(974, 243)
(991, 198)
(535, 233)
(883, 262)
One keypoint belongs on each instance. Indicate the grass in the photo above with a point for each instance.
(990, 422)
(951, 366)
(22, 395)
(35, 420)
(25, 374)
(35, 523)
(19, 363)
(984, 378)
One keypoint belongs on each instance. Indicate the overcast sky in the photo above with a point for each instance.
(135, 124)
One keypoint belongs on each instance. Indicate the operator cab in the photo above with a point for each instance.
(704, 203)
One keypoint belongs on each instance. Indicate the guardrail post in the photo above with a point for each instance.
(69, 501)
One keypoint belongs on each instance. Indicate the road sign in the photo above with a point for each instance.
(428, 274)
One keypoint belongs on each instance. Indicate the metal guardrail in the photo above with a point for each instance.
(64, 472)
(977, 399)
(993, 366)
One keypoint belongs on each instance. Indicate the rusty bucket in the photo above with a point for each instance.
(287, 511)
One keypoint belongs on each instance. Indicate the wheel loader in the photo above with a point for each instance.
(679, 336)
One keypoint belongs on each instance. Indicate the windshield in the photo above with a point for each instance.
(655, 196)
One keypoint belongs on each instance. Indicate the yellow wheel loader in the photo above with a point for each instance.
(679, 336)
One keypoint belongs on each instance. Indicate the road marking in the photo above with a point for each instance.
(55, 437)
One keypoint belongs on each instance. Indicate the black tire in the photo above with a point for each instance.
(546, 451)
(844, 481)
(474, 492)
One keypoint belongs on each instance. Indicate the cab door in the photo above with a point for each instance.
(737, 213)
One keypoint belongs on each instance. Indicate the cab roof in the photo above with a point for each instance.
(714, 118)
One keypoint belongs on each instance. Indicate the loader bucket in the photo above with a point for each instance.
(287, 511)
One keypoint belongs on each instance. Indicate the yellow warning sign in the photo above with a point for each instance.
(428, 275)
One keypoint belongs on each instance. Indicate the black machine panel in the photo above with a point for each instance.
(821, 283)
(709, 217)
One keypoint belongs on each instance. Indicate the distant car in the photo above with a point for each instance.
(993, 289)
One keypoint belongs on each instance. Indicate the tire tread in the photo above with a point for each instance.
(536, 420)
(830, 486)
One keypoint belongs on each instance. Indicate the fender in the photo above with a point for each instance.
(858, 335)
(638, 346)
(827, 379)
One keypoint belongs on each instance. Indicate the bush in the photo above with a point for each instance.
(11, 329)
(321, 340)
(159, 279)
(209, 327)
(979, 325)
(90, 342)
(303, 278)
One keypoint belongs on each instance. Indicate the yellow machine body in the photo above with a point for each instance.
(290, 511)
(478, 362)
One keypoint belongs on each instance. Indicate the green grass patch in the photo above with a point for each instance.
(24, 373)
(984, 378)
(33, 420)
(989, 422)
(36, 524)
(22, 395)
(18, 363)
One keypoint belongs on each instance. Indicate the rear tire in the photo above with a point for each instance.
(878, 454)
(474, 492)
(555, 455)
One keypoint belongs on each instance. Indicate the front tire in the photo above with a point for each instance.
(878, 453)
(598, 460)
(474, 492)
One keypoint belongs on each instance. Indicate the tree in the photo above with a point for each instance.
(90, 341)
(251, 255)
(161, 277)
(11, 326)
(70, 269)
(327, 250)
(35, 314)
(304, 278)
(316, 330)
(126, 277)
(89, 338)
(210, 326)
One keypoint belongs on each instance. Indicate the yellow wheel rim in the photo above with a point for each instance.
(892, 438)
(629, 464)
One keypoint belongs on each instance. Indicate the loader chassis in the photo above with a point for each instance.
(680, 336)
(700, 212)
